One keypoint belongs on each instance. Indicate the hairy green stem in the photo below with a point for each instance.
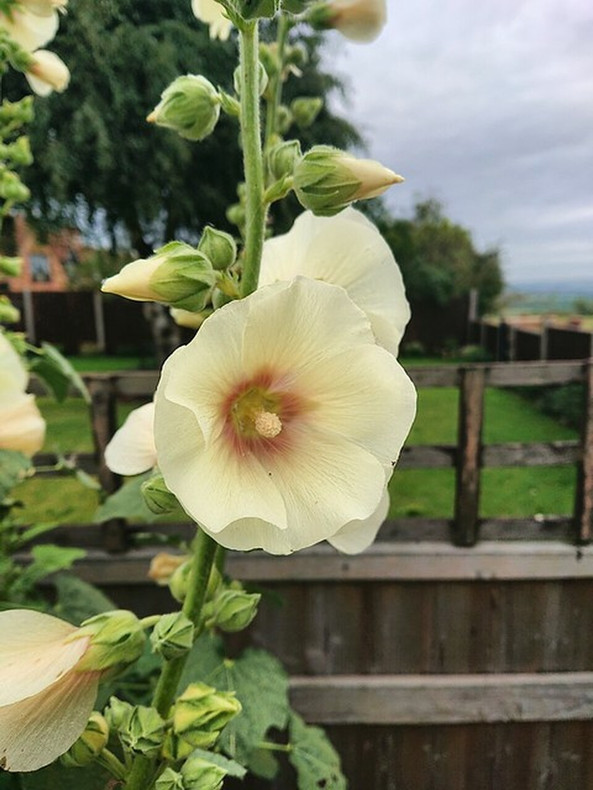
(109, 761)
(255, 207)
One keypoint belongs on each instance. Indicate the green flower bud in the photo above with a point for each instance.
(9, 314)
(220, 298)
(190, 106)
(296, 56)
(118, 714)
(175, 748)
(116, 640)
(16, 113)
(19, 152)
(327, 180)
(236, 214)
(177, 275)
(305, 109)
(283, 157)
(12, 188)
(10, 266)
(179, 581)
(219, 247)
(230, 105)
(157, 496)
(284, 119)
(144, 732)
(200, 774)
(172, 636)
(170, 780)
(201, 712)
(90, 744)
(233, 610)
(262, 76)
(268, 56)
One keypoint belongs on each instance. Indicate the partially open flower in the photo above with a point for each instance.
(45, 702)
(30, 30)
(358, 20)
(278, 425)
(212, 13)
(47, 73)
(22, 427)
(131, 451)
(345, 250)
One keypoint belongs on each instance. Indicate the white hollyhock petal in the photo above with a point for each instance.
(22, 427)
(211, 13)
(47, 73)
(257, 444)
(356, 536)
(359, 20)
(44, 7)
(345, 250)
(131, 451)
(30, 30)
(13, 374)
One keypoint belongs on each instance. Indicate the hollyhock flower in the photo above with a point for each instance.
(47, 73)
(212, 13)
(131, 451)
(44, 7)
(279, 424)
(345, 250)
(30, 30)
(22, 427)
(358, 20)
(45, 702)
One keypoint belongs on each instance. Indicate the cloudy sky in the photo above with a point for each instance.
(487, 105)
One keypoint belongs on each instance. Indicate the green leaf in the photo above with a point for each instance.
(59, 375)
(36, 530)
(263, 763)
(13, 468)
(77, 600)
(314, 758)
(127, 502)
(57, 777)
(232, 767)
(205, 659)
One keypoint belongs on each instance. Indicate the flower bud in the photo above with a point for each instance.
(230, 105)
(12, 188)
(268, 57)
(16, 113)
(262, 76)
(177, 275)
(296, 56)
(283, 157)
(358, 20)
(157, 496)
(219, 247)
(170, 780)
(9, 314)
(200, 774)
(234, 609)
(118, 714)
(172, 636)
(188, 319)
(10, 267)
(190, 106)
(201, 712)
(327, 180)
(236, 214)
(19, 152)
(47, 72)
(305, 109)
(116, 640)
(90, 744)
(179, 581)
(284, 119)
(163, 566)
(144, 732)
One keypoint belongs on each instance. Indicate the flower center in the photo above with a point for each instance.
(254, 414)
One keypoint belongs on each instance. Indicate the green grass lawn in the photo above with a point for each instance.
(429, 492)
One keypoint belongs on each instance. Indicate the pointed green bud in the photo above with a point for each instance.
(305, 110)
(200, 774)
(172, 636)
(201, 712)
(16, 113)
(144, 732)
(177, 275)
(90, 744)
(296, 56)
(19, 152)
(190, 106)
(118, 714)
(284, 119)
(327, 180)
(169, 780)
(233, 610)
(230, 105)
(12, 188)
(178, 583)
(236, 214)
(262, 79)
(10, 266)
(9, 314)
(157, 496)
(268, 56)
(283, 157)
(219, 247)
(116, 640)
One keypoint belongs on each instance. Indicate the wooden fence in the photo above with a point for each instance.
(455, 654)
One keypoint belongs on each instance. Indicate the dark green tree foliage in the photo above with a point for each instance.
(438, 258)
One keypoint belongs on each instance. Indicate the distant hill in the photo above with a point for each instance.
(546, 296)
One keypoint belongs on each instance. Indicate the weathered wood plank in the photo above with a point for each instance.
(584, 488)
(467, 480)
(85, 461)
(559, 453)
(444, 699)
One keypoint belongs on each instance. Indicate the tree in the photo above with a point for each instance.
(438, 258)
(94, 150)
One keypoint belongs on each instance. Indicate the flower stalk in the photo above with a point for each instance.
(284, 26)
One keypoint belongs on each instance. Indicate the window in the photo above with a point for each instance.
(40, 271)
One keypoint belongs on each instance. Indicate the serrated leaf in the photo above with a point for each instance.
(57, 777)
(314, 758)
(59, 375)
(205, 659)
(14, 467)
(232, 767)
(127, 502)
(77, 600)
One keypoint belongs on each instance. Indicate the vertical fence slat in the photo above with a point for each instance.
(583, 511)
(467, 483)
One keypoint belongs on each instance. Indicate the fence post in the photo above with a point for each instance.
(583, 511)
(104, 424)
(469, 451)
(29, 316)
(99, 321)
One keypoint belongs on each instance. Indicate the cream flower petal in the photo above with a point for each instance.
(211, 12)
(13, 373)
(131, 450)
(357, 536)
(47, 73)
(359, 20)
(34, 653)
(30, 30)
(36, 731)
(344, 250)
(22, 427)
